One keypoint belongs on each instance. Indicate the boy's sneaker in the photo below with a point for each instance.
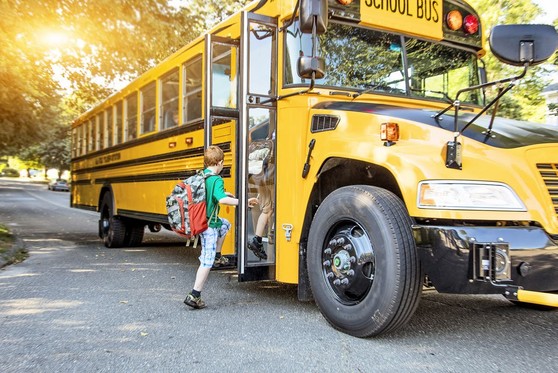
(194, 302)
(223, 261)
(257, 248)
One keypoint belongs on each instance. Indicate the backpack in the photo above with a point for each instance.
(186, 206)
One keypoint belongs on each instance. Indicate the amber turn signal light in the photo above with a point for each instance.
(389, 131)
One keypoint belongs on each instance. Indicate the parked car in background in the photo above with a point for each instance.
(59, 184)
(9, 172)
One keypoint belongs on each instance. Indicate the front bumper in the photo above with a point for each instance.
(449, 256)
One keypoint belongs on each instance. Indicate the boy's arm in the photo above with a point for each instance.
(224, 198)
(229, 201)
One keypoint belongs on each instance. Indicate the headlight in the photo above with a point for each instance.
(467, 195)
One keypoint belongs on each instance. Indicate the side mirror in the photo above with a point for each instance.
(313, 11)
(520, 44)
(308, 65)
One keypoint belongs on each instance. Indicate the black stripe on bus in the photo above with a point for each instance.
(178, 175)
(152, 218)
(506, 133)
(188, 153)
(81, 182)
(144, 140)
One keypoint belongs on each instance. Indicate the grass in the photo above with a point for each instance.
(9, 252)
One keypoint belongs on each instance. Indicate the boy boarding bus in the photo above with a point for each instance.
(367, 120)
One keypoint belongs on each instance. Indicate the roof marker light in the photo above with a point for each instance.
(471, 24)
(454, 20)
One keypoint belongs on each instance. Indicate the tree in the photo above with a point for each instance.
(525, 100)
(60, 57)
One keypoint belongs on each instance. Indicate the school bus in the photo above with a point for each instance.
(372, 123)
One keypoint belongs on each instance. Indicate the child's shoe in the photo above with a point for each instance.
(194, 302)
(257, 248)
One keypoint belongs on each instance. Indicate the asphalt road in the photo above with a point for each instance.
(75, 306)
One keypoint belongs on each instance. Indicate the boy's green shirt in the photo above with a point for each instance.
(215, 190)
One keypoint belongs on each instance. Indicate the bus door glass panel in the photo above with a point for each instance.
(261, 66)
(223, 76)
(260, 192)
(169, 100)
(221, 116)
(260, 254)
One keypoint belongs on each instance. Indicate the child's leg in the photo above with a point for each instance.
(222, 233)
(201, 277)
(209, 240)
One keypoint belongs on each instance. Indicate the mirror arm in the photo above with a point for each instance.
(482, 86)
(495, 100)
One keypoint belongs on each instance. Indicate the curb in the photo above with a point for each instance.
(15, 254)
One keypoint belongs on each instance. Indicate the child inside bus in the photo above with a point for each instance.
(211, 239)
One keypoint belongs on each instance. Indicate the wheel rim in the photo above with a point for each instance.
(348, 263)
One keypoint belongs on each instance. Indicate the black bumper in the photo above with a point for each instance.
(447, 257)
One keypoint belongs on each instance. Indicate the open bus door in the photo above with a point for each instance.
(257, 107)
(240, 116)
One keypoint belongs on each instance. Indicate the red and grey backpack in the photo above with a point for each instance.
(186, 206)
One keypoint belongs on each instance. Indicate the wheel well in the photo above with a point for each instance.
(338, 172)
(105, 189)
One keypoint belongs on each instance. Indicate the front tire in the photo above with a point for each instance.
(362, 261)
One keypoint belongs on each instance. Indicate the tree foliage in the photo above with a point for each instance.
(60, 57)
(525, 100)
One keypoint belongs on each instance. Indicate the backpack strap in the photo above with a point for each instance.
(207, 176)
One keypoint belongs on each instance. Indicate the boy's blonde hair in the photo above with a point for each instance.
(213, 155)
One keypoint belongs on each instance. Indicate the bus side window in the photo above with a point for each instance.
(131, 116)
(108, 127)
(148, 108)
(192, 105)
(118, 124)
(169, 100)
(100, 132)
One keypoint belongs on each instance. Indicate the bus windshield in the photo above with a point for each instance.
(373, 61)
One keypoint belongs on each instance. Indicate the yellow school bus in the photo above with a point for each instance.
(367, 125)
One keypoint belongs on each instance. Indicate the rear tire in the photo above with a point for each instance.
(134, 234)
(362, 261)
(113, 230)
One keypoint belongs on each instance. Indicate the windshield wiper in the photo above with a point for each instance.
(383, 86)
(426, 91)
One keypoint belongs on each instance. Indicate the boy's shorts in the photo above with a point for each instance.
(209, 242)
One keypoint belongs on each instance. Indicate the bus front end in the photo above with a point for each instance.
(413, 176)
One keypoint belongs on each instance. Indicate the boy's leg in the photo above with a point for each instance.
(209, 242)
(201, 277)
(222, 233)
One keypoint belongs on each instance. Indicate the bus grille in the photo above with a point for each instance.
(549, 173)
(324, 123)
